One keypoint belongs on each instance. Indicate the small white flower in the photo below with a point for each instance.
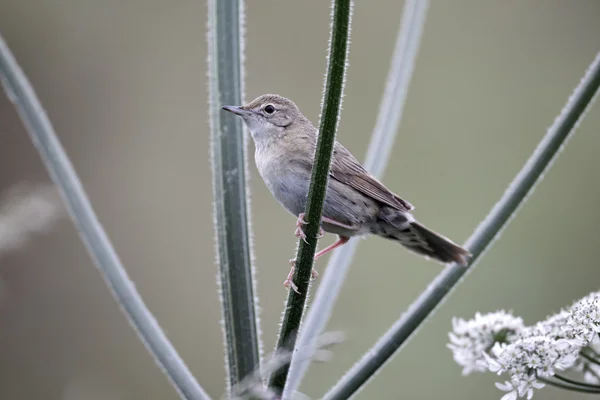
(492, 364)
(508, 387)
(567, 361)
(471, 340)
(585, 316)
(526, 386)
(529, 357)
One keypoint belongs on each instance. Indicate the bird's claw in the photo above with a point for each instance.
(300, 233)
(321, 233)
(300, 221)
(314, 275)
(289, 283)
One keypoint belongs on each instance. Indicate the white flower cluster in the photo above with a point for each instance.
(500, 343)
(530, 358)
(471, 340)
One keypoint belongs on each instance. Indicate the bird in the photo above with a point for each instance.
(356, 203)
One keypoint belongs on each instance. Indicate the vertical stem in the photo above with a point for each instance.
(63, 174)
(378, 154)
(231, 205)
(514, 196)
(331, 107)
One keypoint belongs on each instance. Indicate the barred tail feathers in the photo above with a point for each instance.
(422, 240)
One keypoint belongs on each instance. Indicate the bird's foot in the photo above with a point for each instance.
(300, 233)
(321, 233)
(289, 283)
(300, 221)
(314, 274)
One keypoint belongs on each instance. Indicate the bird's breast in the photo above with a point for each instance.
(286, 179)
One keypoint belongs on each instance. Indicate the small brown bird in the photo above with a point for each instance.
(356, 203)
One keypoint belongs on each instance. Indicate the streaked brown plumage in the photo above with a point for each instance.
(356, 203)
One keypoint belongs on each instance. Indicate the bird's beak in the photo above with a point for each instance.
(236, 110)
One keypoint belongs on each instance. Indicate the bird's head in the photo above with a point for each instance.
(267, 115)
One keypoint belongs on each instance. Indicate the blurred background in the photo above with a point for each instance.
(124, 83)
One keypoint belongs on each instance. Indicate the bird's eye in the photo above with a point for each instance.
(269, 109)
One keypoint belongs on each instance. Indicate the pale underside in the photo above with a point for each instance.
(354, 198)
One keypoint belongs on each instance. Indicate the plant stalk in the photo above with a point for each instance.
(567, 386)
(231, 197)
(576, 383)
(330, 115)
(378, 154)
(42, 134)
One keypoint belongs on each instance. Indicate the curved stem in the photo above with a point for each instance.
(574, 382)
(63, 174)
(486, 232)
(569, 386)
(591, 371)
(378, 154)
(590, 358)
(331, 107)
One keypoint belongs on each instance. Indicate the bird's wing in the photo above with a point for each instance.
(346, 169)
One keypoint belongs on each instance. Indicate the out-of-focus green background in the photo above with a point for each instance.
(124, 83)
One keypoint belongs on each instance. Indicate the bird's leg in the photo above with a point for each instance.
(314, 274)
(340, 224)
(288, 283)
(341, 241)
(300, 233)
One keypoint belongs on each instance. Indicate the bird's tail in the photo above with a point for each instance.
(424, 241)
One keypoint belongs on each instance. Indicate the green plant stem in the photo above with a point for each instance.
(569, 386)
(483, 236)
(378, 154)
(39, 128)
(591, 371)
(576, 383)
(331, 107)
(231, 198)
(591, 350)
(590, 359)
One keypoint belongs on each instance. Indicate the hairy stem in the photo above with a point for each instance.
(331, 107)
(231, 198)
(63, 174)
(483, 236)
(378, 154)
